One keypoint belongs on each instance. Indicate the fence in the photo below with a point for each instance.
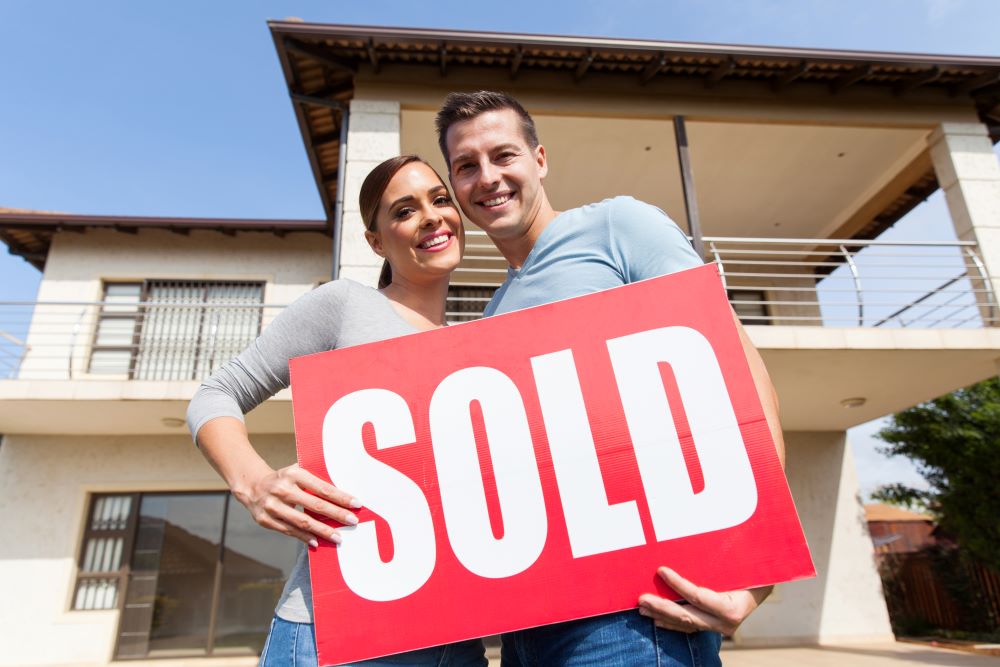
(940, 588)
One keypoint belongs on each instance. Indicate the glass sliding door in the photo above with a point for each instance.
(201, 578)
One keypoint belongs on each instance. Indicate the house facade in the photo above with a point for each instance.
(783, 165)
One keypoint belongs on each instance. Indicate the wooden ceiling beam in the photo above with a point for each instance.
(653, 68)
(719, 73)
(850, 78)
(973, 85)
(515, 61)
(319, 55)
(584, 65)
(372, 54)
(929, 76)
(791, 75)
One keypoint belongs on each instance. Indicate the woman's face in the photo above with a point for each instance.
(417, 226)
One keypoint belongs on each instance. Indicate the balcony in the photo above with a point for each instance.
(891, 323)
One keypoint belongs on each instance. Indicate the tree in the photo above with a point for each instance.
(955, 442)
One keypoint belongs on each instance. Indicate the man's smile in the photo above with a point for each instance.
(496, 200)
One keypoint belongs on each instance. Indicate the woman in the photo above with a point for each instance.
(413, 224)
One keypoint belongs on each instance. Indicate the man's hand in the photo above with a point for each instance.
(707, 609)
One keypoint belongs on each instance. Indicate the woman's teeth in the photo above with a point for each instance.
(436, 241)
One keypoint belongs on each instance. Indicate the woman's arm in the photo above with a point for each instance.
(215, 418)
(270, 495)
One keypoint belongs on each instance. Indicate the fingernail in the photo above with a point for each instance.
(643, 611)
(336, 538)
(351, 519)
(313, 543)
(356, 503)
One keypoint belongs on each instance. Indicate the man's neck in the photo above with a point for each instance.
(516, 249)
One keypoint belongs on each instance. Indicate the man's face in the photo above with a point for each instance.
(496, 176)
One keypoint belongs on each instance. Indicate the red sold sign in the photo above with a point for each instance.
(539, 466)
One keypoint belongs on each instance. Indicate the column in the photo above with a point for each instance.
(969, 173)
(844, 602)
(373, 136)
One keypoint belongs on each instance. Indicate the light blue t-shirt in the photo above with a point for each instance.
(593, 248)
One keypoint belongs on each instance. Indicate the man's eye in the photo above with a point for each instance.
(463, 167)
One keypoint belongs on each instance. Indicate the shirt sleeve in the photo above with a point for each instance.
(310, 324)
(645, 242)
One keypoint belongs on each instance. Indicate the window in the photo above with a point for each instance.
(105, 541)
(173, 329)
(192, 573)
(750, 306)
(467, 302)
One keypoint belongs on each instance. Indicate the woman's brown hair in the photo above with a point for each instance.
(371, 196)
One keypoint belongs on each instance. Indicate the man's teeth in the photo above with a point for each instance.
(496, 201)
(437, 240)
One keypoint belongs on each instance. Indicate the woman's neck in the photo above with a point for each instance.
(422, 305)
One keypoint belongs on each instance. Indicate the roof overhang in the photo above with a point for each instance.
(320, 63)
(28, 234)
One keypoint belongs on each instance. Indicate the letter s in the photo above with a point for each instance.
(386, 491)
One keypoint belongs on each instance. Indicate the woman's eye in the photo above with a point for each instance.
(444, 200)
(403, 212)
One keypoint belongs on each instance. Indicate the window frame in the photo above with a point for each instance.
(141, 312)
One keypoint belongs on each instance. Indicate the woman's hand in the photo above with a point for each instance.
(272, 496)
(272, 501)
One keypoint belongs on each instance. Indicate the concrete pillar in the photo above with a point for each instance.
(844, 603)
(969, 173)
(373, 136)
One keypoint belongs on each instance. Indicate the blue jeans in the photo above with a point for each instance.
(294, 645)
(624, 639)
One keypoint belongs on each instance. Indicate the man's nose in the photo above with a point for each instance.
(489, 174)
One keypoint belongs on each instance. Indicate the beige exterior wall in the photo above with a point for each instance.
(79, 263)
(46, 483)
(844, 603)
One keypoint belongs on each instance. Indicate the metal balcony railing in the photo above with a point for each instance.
(845, 283)
(770, 281)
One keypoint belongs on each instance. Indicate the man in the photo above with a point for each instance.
(496, 166)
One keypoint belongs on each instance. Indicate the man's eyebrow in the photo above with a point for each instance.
(494, 149)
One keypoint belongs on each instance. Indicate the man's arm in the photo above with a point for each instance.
(708, 609)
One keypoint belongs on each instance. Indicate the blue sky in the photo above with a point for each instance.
(179, 107)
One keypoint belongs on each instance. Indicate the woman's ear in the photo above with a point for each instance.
(375, 242)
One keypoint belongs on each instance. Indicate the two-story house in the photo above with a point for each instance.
(784, 165)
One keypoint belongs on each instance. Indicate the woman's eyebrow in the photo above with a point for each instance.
(401, 200)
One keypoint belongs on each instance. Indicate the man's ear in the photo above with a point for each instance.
(542, 161)
(375, 242)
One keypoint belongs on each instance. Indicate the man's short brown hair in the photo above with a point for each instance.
(466, 106)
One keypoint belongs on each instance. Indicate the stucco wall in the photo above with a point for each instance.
(45, 483)
(844, 602)
(78, 263)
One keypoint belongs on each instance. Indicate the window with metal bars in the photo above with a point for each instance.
(105, 541)
(467, 302)
(174, 329)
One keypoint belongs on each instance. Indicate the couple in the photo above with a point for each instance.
(495, 167)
